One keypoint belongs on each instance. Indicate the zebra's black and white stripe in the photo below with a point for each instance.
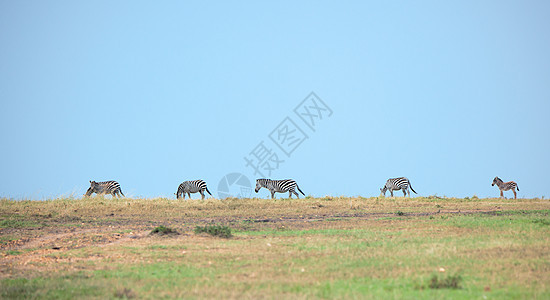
(192, 186)
(106, 187)
(505, 186)
(279, 186)
(396, 184)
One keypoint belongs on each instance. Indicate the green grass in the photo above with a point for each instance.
(6, 239)
(18, 222)
(48, 288)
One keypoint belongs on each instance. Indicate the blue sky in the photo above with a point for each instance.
(448, 94)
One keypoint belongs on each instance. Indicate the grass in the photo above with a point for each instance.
(421, 248)
(18, 222)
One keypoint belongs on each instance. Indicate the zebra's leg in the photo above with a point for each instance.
(189, 194)
(290, 194)
(405, 193)
(515, 195)
(501, 194)
(272, 194)
(202, 194)
(391, 192)
(298, 196)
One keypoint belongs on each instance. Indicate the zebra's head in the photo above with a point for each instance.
(258, 185)
(496, 181)
(91, 189)
(383, 191)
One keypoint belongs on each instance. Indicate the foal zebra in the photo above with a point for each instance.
(279, 186)
(193, 186)
(106, 187)
(505, 186)
(396, 184)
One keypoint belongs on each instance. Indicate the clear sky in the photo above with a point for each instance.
(447, 93)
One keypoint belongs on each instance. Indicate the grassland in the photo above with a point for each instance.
(332, 247)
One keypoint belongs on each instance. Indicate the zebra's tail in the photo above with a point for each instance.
(120, 190)
(412, 188)
(517, 187)
(300, 189)
(208, 191)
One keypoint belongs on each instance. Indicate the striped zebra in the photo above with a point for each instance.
(396, 184)
(106, 187)
(505, 186)
(193, 186)
(279, 186)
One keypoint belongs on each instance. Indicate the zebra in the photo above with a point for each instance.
(505, 186)
(106, 187)
(278, 186)
(193, 186)
(396, 184)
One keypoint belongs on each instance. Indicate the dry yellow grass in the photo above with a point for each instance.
(333, 247)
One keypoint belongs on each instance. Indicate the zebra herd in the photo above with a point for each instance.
(276, 186)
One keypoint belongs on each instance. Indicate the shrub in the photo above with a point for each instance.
(542, 222)
(125, 293)
(215, 230)
(449, 282)
(163, 230)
